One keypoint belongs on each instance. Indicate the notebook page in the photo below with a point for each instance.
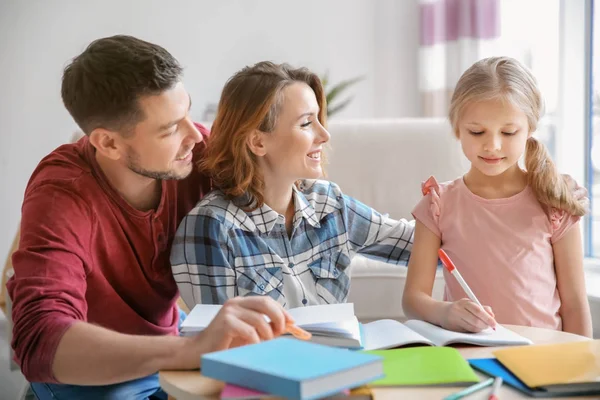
(489, 337)
(387, 333)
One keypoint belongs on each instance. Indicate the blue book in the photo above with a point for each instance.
(293, 368)
(493, 367)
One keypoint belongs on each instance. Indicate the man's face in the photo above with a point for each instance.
(161, 145)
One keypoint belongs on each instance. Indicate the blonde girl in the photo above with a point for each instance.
(513, 233)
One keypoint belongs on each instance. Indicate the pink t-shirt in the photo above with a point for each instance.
(502, 248)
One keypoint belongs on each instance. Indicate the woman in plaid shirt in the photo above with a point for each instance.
(271, 227)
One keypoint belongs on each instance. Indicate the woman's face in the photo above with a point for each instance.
(292, 150)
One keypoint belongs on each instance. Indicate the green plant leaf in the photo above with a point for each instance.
(340, 87)
(325, 80)
(338, 107)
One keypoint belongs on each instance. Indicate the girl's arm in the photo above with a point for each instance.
(416, 300)
(568, 263)
(461, 315)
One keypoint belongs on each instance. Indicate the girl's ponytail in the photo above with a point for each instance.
(550, 188)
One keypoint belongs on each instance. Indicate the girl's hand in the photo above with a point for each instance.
(466, 316)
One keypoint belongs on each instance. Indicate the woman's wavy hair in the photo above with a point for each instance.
(251, 99)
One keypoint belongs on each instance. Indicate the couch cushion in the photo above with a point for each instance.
(382, 162)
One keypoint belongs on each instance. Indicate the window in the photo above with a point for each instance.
(556, 46)
(594, 132)
(535, 44)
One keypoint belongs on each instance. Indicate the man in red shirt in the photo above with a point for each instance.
(94, 299)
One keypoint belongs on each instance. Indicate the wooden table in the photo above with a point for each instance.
(191, 385)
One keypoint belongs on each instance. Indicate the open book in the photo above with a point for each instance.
(330, 324)
(336, 325)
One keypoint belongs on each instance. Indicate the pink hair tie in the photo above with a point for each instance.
(556, 217)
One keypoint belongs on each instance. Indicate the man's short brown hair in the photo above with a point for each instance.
(101, 86)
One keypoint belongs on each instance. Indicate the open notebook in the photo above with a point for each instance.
(336, 325)
(387, 334)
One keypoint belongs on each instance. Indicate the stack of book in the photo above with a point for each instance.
(554, 370)
(290, 368)
(324, 367)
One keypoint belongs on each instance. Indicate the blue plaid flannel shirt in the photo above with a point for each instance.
(221, 251)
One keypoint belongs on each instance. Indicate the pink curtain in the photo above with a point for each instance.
(454, 34)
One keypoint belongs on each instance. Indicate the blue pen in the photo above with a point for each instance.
(470, 390)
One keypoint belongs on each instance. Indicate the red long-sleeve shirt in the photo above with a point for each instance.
(85, 254)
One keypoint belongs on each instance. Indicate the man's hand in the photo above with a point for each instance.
(91, 355)
(241, 321)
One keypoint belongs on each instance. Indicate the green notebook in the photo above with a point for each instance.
(420, 366)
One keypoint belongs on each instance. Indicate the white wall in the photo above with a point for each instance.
(396, 82)
(212, 39)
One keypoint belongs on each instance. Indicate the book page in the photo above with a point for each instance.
(340, 334)
(323, 313)
(488, 337)
(348, 328)
(199, 318)
(387, 334)
(202, 314)
(329, 320)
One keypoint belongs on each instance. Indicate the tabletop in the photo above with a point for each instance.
(191, 385)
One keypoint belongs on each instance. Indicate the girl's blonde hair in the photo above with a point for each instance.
(507, 79)
(251, 99)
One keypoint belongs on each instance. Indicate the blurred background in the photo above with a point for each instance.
(405, 54)
(402, 58)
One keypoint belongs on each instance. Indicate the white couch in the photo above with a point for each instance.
(382, 162)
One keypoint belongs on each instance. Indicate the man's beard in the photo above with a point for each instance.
(133, 165)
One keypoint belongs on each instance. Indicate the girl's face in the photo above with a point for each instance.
(493, 134)
(293, 150)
